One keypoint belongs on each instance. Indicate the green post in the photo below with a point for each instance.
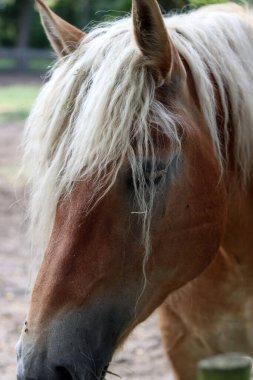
(225, 367)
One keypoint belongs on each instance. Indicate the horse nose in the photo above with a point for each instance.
(63, 373)
(58, 373)
(45, 373)
(39, 368)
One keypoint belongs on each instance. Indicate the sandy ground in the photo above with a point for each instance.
(142, 356)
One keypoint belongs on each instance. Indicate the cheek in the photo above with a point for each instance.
(188, 231)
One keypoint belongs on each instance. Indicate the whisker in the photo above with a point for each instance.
(114, 374)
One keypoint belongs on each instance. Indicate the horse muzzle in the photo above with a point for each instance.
(40, 367)
(74, 346)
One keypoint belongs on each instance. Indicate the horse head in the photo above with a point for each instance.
(128, 185)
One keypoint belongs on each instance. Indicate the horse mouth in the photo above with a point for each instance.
(63, 373)
(66, 375)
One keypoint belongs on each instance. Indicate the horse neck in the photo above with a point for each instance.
(238, 234)
(238, 237)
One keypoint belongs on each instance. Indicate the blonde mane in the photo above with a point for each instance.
(102, 97)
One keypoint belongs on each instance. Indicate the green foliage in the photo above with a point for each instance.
(170, 5)
(38, 38)
(200, 3)
(69, 10)
(8, 20)
(77, 12)
(107, 10)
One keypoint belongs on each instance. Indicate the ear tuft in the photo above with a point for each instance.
(152, 38)
(63, 36)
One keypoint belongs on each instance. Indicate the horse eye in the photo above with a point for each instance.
(158, 176)
(154, 176)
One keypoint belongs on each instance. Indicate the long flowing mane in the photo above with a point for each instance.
(101, 98)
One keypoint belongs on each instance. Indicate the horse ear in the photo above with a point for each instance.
(153, 40)
(63, 36)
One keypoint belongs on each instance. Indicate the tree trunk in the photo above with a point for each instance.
(24, 29)
(86, 9)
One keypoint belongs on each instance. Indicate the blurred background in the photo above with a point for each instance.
(24, 58)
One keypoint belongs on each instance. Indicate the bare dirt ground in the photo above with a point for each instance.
(142, 356)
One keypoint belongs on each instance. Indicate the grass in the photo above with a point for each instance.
(34, 64)
(7, 63)
(16, 101)
(39, 64)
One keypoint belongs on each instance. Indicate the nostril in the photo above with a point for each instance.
(63, 373)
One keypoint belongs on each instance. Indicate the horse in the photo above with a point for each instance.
(139, 150)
